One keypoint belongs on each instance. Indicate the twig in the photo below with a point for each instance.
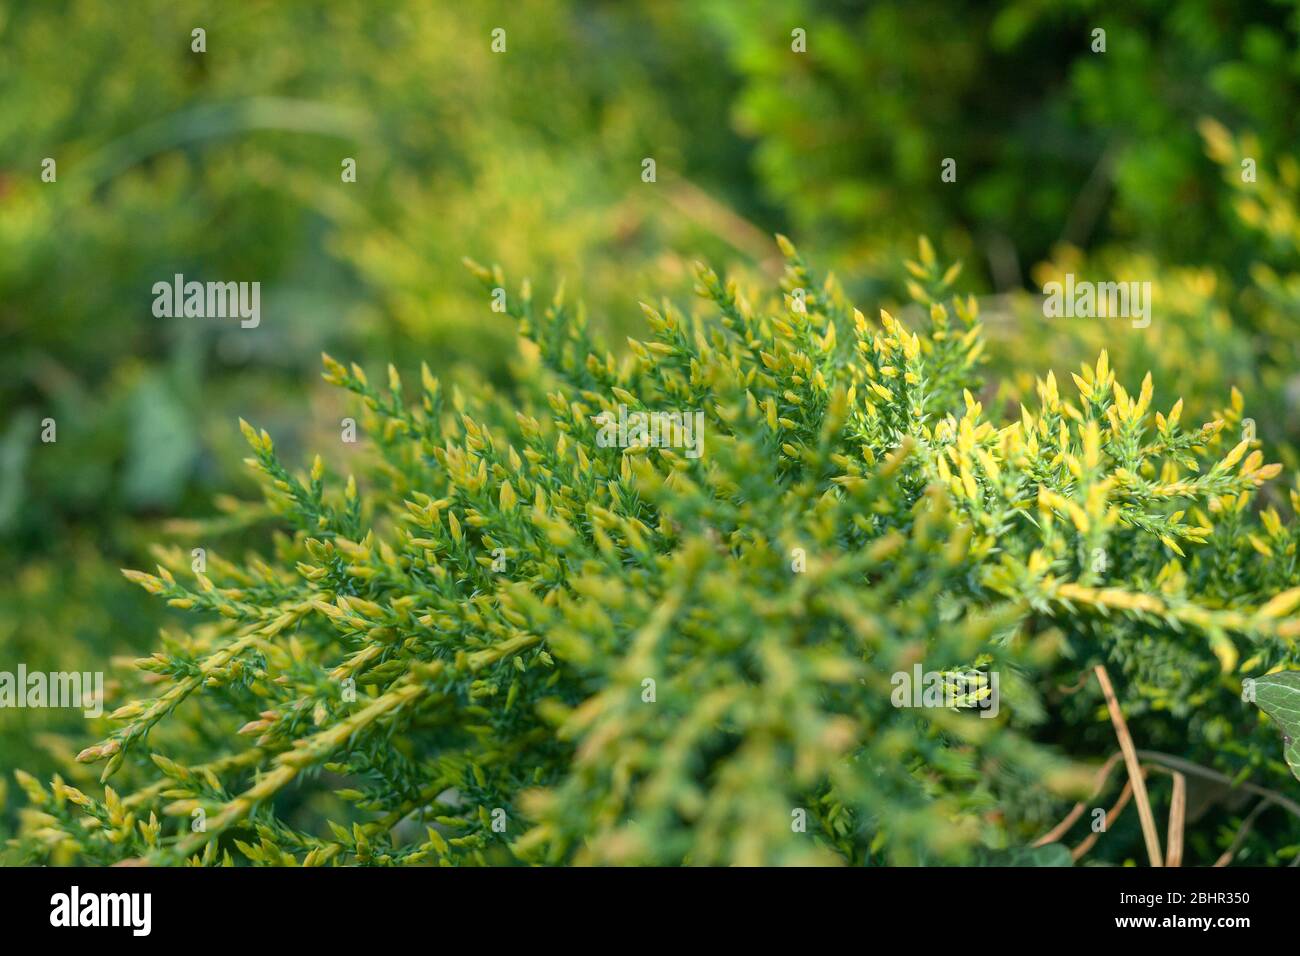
(1177, 818)
(1075, 687)
(711, 214)
(1242, 832)
(1270, 796)
(1195, 769)
(1111, 816)
(1053, 835)
(1134, 770)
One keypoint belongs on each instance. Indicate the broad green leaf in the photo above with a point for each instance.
(1278, 695)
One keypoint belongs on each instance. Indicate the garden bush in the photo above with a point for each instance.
(512, 637)
(227, 164)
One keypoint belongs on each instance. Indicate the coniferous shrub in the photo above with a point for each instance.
(226, 164)
(1216, 327)
(510, 639)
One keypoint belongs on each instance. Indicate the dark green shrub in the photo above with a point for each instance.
(1054, 139)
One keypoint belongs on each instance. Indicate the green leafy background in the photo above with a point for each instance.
(1122, 165)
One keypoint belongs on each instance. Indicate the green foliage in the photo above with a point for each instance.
(1124, 165)
(566, 652)
(226, 165)
(1213, 330)
(1055, 140)
(1278, 695)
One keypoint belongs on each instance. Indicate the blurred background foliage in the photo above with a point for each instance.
(225, 165)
